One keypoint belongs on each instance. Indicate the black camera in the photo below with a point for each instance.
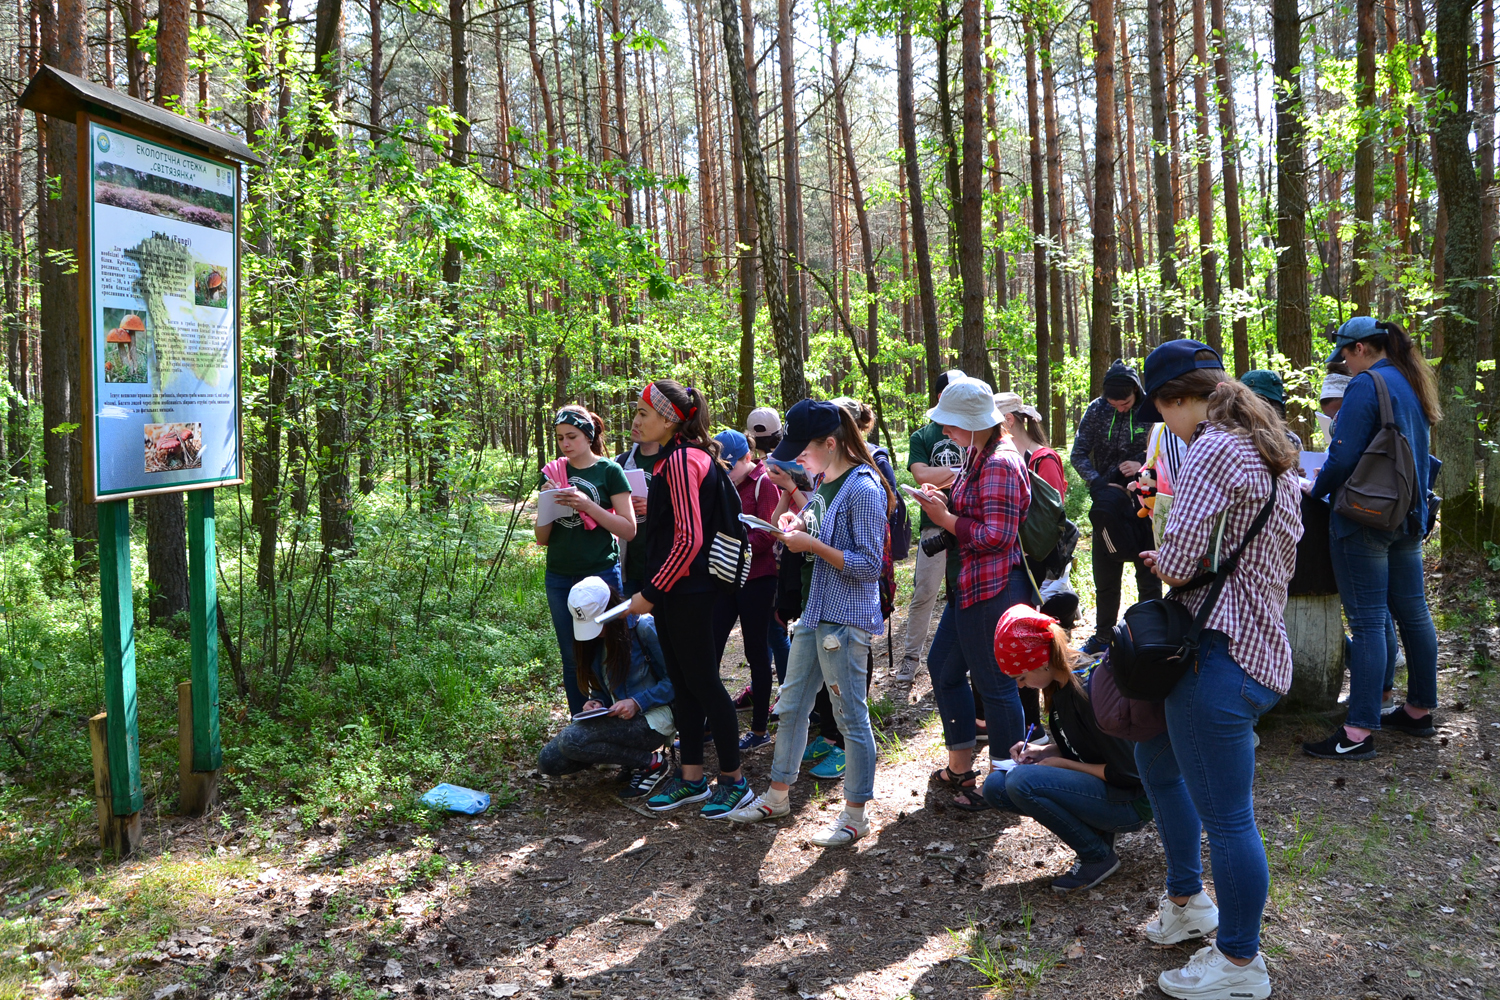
(939, 542)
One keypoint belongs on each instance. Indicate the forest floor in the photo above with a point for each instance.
(1384, 884)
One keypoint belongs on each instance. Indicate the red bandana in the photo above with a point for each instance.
(1023, 640)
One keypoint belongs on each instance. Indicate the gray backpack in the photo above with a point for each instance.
(1383, 487)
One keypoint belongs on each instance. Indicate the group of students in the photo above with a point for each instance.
(1219, 448)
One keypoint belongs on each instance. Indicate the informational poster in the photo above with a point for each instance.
(163, 266)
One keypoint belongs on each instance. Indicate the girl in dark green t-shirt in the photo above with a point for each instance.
(581, 544)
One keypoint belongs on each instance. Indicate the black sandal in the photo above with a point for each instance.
(943, 777)
(976, 801)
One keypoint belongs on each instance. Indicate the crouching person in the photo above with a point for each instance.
(1083, 786)
(634, 696)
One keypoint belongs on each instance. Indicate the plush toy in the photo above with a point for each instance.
(1145, 491)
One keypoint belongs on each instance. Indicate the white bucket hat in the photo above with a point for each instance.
(966, 403)
(588, 599)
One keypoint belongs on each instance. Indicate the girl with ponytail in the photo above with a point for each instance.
(1379, 573)
(581, 544)
(681, 595)
(1198, 774)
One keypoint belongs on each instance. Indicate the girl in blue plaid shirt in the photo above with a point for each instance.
(844, 527)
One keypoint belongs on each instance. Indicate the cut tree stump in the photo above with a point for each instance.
(1315, 629)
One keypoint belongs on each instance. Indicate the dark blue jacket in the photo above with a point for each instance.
(647, 682)
(1355, 427)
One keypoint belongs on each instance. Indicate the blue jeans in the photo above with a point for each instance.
(1077, 807)
(843, 668)
(781, 645)
(1198, 776)
(558, 586)
(1380, 577)
(972, 654)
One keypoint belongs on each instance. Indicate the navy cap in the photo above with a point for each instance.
(1351, 332)
(807, 421)
(1173, 359)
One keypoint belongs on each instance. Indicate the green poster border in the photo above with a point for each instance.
(91, 334)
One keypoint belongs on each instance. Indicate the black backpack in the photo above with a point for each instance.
(728, 540)
(899, 544)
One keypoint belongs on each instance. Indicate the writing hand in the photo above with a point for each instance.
(590, 705)
(797, 541)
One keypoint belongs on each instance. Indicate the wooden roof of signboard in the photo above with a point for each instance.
(63, 95)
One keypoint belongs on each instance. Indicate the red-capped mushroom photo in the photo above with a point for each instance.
(211, 285)
(172, 447)
(126, 346)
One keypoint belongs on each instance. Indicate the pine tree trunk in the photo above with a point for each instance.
(1362, 245)
(1293, 313)
(1161, 175)
(1106, 252)
(1039, 283)
(792, 196)
(1058, 430)
(975, 358)
(788, 347)
(1453, 436)
(1229, 150)
(906, 101)
(1207, 258)
(745, 218)
(172, 53)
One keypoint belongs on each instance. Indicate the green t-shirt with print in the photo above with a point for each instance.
(635, 550)
(574, 550)
(812, 516)
(930, 446)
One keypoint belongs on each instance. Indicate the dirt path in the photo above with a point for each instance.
(1384, 885)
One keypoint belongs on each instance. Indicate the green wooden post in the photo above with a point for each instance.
(123, 742)
(203, 610)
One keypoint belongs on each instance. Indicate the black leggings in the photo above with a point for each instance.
(684, 624)
(752, 606)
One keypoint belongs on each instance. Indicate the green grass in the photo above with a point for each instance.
(1008, 967)
(420, 664)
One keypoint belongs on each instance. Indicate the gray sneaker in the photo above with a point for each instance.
(1087, 874)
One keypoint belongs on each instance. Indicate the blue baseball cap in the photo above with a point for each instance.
(1173, 359)
(732, 446)
(807, 421)
(1351, 332)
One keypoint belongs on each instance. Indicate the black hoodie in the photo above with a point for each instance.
(1106, 437)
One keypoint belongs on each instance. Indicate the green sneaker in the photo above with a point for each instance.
(817, 749)
(677, 792)
(831, 766)
(726, 798)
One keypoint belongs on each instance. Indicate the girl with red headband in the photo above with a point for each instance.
(1083, 786)
(679, 592)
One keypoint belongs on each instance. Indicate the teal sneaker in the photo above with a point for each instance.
(831, 766)
(726, 798)
(678, 792)
(817, 749)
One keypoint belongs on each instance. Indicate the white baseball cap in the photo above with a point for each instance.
(762, 420)
(966, 403)
(588, 599)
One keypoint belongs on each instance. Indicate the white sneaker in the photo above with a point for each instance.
(1174, 924)
(755, 809)
(1209, 975)
(843, 833)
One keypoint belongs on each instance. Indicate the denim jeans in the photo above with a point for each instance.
(972, 654)
(1380, 572)
(1077, 807)
(780, 644)
(558, 586)
(843, 668)
(1198, 776)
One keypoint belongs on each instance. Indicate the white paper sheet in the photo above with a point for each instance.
(637, 480)
(548, 509)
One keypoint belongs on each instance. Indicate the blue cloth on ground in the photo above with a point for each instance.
(456, 798)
